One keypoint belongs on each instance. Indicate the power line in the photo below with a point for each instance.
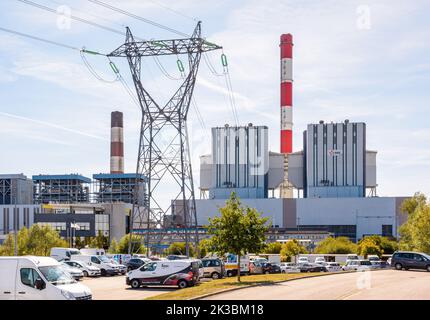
(91, 23)
(40, 39)
(173, 10)
(131, 15)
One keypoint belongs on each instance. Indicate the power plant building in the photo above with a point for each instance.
(67, 188)
(334, 162)
(333, 172)
(240, 162)
(15, 189)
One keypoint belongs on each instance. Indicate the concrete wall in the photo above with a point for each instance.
(271, 208)
(367, 214)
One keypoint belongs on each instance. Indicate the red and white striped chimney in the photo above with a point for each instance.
(117, 143)
(286, 93)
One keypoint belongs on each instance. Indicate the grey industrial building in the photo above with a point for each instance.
(333, 175)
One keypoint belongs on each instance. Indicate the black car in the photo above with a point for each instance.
(410, 260)
(135, 263)
(271, 268)
(311, 267)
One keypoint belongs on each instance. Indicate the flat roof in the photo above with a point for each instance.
(42, 177)
(102, 176)
(13, 176)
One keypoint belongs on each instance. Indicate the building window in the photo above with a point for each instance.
(5, 220)
(16, 218)
(83, 226)
(58, 226)
(387, 230)
(102, 224)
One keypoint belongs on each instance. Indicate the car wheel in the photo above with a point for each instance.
(428, 268)
(85, 273)
(182, 284)
(215, 275)
(398, 266)
(267, 272)
(283, 271)
(229, 274)
(103, 272)
(135, 283)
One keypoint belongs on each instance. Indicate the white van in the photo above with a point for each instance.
(93, 251)
(102, 262)
(38, 278)
(60, 254)
(181, 273)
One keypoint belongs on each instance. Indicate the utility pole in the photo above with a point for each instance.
(163, 157)
(15, 218)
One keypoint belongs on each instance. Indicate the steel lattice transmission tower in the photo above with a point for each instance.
(163, 149)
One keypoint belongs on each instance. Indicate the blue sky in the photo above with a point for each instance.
(358, 60)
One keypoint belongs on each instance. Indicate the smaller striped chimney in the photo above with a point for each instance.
(117, 143)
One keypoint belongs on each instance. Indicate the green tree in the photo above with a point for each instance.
(113, 248)
(273, 248)
(415, 232)
(205, 248)
(138, 244)
(369, 245)
(38, 241)
(178, 248)
(238, 230)
(100, 241)
(340, 245)
(291, 249)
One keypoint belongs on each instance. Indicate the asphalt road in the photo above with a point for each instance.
(114, 288)
(383, 284)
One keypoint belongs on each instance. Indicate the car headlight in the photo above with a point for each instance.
(67, 295)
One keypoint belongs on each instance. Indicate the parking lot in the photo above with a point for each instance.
(114, 288)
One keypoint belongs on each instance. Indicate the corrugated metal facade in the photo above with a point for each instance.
(335, 160)
(240, 161)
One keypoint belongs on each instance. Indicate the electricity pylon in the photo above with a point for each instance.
(163, 148)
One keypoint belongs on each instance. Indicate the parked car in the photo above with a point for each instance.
(61, 254)
(373, 257)
(410, 260)
(352, 257)
(181, 273)
(122, 269)
(311, 267)
(271, 268)
(288, 267)
(135, 263)
(380, 264)
(303, 260)
(320, 260)
(357, 265)
(332, 267)
(213, 268)
(87, 269)
(102, 262)
(38, 278)
(76, 273)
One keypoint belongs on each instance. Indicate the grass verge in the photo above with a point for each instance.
(230, 283)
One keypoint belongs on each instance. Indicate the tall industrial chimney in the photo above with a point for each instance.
(117, 143)
(286, 107)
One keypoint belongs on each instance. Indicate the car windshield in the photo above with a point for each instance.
(56, 275)
(104, 259)
(365, 263)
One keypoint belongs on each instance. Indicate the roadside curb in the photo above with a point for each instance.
(262, 285)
